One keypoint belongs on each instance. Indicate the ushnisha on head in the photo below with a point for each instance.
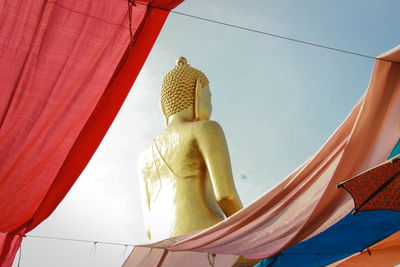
(178, 89)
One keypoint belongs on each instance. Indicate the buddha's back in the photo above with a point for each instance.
(175, 182)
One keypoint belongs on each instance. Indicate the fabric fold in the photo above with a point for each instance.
(65, 70)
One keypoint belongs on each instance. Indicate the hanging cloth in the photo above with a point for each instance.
(65, 70)
(351, 234)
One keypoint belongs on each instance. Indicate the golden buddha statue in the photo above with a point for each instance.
(185, 174)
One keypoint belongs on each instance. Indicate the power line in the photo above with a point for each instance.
(130, 245)
(274, 35)
(278, 36)
(80, 240)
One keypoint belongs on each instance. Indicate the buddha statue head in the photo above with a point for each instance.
(185, 89)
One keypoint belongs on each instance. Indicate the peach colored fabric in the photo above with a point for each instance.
(384, 253)
(307, 202)
(143, 256)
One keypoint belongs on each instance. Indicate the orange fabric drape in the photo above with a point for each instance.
(383, 254)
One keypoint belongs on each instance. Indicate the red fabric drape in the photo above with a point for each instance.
(65, 71)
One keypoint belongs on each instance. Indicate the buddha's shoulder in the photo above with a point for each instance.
(195, 127)
(207, 124)
(207, 127)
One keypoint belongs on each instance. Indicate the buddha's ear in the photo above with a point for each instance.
(197, 100)
(163, 111)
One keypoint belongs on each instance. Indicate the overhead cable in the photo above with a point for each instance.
(131, 245)
(79, 240)
(277, 36)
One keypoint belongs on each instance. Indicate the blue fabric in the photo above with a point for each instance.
(352, 234)
(396, 150)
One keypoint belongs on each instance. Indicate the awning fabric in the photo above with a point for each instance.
(350, 235)
(65, 70)
(307, 202)
(383, 254)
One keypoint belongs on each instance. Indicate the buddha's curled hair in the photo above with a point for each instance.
(178, 87)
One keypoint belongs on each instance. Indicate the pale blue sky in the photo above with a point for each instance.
(277, 101)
